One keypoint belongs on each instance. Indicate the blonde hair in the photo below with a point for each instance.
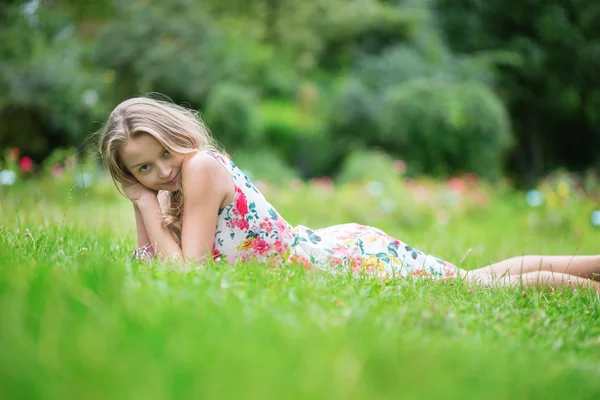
(177, 128)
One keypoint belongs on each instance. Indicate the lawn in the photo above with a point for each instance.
(80, 319)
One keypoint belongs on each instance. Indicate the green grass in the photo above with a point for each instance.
(79, 319)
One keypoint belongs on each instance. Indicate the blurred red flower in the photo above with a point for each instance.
(26, 164)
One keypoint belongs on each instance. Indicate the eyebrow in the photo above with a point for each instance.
(145, 162)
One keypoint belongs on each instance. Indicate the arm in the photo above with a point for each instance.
(143, 240)
(206, 184)
(160, 238)
(142, 236)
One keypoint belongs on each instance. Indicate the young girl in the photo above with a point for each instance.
(192, 203)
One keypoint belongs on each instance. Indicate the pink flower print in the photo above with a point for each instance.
(298, 259)
(421, 272)
(216, 254)
(355, 264)
(26, 164)
(241, 204)
(280, 225)
(266, 225)
(279, 246)
(341, 250)
(242, 223)
(261, 246)
(337, 261)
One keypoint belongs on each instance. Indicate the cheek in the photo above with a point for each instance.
(143, 179)
(146, 180)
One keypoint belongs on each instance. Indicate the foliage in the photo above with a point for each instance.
(231, 113)
(442, 128)
(553, 92)
(64, 64)
(50, 92)
(266, 166)
(367, 165)
(172, 48)
(297, 132)
(428, 107)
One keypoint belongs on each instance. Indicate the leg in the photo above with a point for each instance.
(539, 279)
(580, 266)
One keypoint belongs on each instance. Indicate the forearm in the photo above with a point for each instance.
(151, 220)
(143, 239)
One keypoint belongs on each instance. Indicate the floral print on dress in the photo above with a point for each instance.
(250, 229)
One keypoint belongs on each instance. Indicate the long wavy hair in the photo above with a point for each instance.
(177, 128)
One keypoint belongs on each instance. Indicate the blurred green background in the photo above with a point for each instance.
(446, 86)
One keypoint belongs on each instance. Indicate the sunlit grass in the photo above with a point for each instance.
(79, 319)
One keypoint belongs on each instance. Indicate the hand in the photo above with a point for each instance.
(135, 191)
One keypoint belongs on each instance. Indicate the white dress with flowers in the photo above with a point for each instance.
(250, 229)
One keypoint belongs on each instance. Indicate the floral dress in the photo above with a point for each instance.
(250, 229)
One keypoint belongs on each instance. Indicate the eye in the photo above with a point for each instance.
(144, 168)
(166, 153)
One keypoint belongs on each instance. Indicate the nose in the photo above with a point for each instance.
(164, 171)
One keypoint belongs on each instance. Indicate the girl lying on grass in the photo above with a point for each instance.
(191, 202)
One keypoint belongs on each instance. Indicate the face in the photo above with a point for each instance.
(153, 165)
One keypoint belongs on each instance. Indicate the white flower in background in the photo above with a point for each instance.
(89, 98)
(7, 177)
(387, 205)
(83, 180)
(375, 188)
(596, 218)
(534, 198)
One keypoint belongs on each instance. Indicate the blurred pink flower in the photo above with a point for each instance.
(420, 193)
(323, 183)
(399, 167)
(26, 164)
(457, 185)
(14, 154)
(57, 170)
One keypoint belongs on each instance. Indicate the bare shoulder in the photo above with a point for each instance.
(201, 174)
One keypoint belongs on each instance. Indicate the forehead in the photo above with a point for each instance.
(139, 149)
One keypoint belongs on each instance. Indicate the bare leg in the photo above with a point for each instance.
(538, 279)
(579, 266)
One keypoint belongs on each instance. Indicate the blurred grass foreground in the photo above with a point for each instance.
(80, 319)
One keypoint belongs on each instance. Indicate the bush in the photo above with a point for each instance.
(264, 165)
(175, 48)
(554, 91)
(232, 114)
(48, 91)
(299, 136)
(367, 165)
(442, 128)
(353, 115)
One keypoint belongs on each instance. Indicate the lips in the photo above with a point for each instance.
(174, 180)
